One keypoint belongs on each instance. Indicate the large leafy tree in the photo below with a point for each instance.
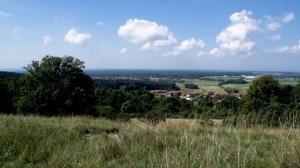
(296, 96)
(262, 93)
(55, 86)
(5, 96)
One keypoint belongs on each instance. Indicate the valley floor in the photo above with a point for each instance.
(32, 141)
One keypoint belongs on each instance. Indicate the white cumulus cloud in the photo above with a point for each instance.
(188, 45)
(123, 50)
(273, 26)
(148, 33)
(216, 52)
(170, 40)
(288, 17)
(75, 37)
(48, 40)
(295, 49)
(2, 13)
(275, 37)
(235, 39)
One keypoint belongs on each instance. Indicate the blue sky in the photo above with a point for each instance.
(153, 34)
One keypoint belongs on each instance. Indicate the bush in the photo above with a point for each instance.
(105, 111)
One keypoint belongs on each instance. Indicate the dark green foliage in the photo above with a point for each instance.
(262, 93)
(173, 106)
(296, 96)
(55, 86)
(8, 92)
(130, 102)
(191, 86)
(232, 81)
(271, 101)
(105, 111)
(231, 90)
(5, 75)
(5, 97)
(203, 101)
(131, 85)
(230, 102)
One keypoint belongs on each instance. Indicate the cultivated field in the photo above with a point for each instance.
(29, 141)
(210, 84)
(204, 87)
(241, 87)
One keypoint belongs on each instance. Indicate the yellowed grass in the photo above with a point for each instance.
(215, 89)
(175, 123)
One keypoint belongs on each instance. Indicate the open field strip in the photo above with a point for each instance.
(31, 141)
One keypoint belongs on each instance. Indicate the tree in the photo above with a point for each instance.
(55, 86)
(296, 96)
(261, 93)
(5, 96)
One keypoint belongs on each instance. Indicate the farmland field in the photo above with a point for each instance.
(202, 83)
(292, 82)
(31, 141)
(210, 84)
(204, 86)
(180, 85)
(241, 87)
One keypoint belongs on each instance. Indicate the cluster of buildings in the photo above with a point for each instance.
(216, 99)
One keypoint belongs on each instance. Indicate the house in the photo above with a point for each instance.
(237, 95)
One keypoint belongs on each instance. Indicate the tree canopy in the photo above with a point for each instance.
(262, 93)
(55, 85)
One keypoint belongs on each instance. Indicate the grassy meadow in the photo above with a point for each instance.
(32, 141)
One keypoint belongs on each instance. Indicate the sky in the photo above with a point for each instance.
(233, 35)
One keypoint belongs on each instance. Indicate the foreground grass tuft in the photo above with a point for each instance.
(31, 141)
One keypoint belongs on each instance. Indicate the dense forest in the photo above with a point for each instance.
(5, 74)
(131, 85)
(58, 86)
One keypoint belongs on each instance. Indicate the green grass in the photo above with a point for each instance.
(210, 86)
(180, 85)
(241, 87)
(30, 141)
(201, 83)
(292, 82)
(185, 90)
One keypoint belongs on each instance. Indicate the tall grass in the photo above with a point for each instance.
(31, 141)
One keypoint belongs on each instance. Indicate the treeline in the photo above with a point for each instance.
(191, 86)
(113, 103)
(232, 81)
(58, 86)
(130, 85)
(5, 74)
(170, 74)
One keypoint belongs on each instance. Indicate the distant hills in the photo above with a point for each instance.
(182, 74)
(5, 74)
